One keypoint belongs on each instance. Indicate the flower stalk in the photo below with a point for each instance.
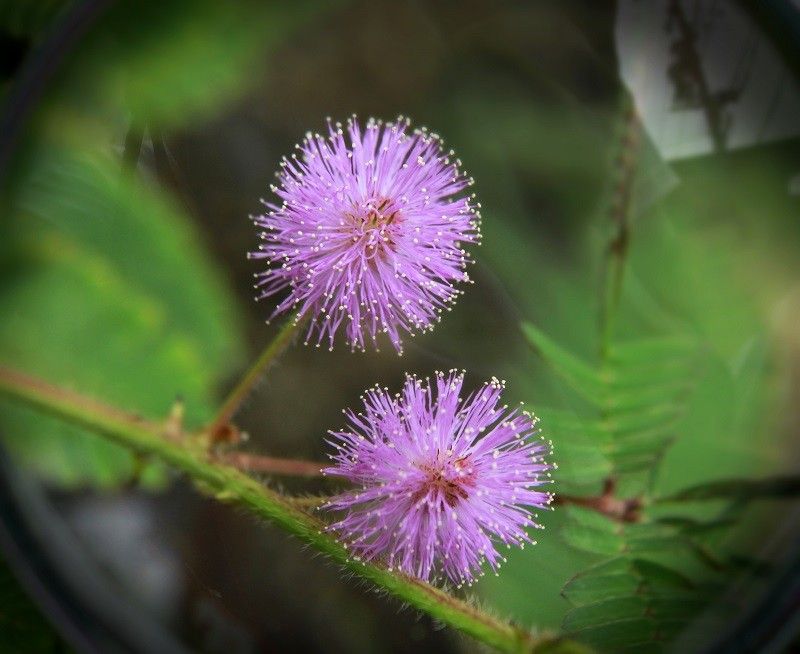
(221, 428)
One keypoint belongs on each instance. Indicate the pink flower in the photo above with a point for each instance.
(440, 480)
(369, 237)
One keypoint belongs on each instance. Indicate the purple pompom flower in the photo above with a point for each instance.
(441, 480)
(370, 233)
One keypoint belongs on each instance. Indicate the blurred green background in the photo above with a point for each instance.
(126, 278)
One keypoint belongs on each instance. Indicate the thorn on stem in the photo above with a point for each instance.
(173, 425)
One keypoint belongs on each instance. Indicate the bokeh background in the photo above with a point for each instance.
(124, 275)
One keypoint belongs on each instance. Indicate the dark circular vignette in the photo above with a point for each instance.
(94, 620)
(62, 580)
(34, 541)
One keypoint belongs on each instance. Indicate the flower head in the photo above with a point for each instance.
(370, 231)
(441, 480)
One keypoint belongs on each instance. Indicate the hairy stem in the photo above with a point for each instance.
(308, 503)
(242, 389)
(616, 508)
(230, 485)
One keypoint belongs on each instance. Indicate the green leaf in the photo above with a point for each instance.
(599, 613)
(740, 490)
(596, 541)
(610, 637)
(643, 394)
(612, 599)
(699, 528)
(585, 589)
(654, 416)
(109, 292)
(578, 374)
(138, 233)
(529, 585)
(641, 546)
(673, 613)
(660, 576)
(167, 64)
(645, 352)
(592, 519)
(560, 423)
(639, 394)
(580, 463)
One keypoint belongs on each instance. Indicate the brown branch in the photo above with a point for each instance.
(616, 508)
(690, 65)
(271, 465)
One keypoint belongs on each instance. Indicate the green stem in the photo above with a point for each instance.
(229, 485)
(308, 502)
(617, 249)
(240, 392)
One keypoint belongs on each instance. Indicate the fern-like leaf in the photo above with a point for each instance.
(638, 597)
(637, 395)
